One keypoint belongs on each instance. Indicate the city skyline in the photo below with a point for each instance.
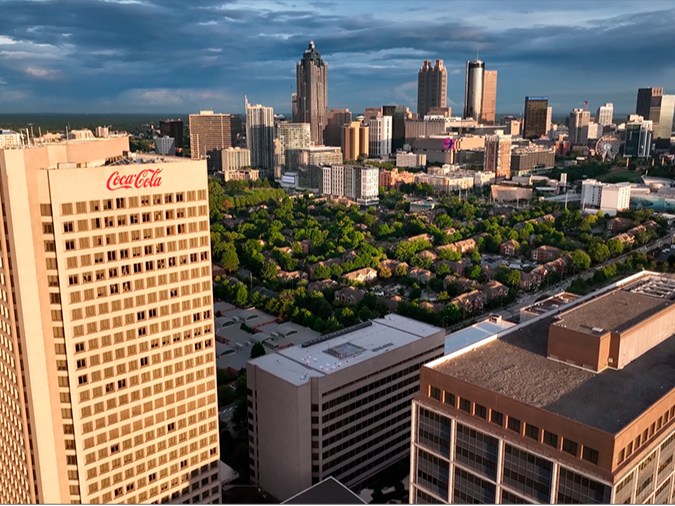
(117, 56)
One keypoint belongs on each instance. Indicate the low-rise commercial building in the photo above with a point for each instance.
(410, 160)
(444, 148)
(9, 139)
(610, 198)
(531, 160)
(394, 178)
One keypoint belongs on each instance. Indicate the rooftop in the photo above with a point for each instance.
(344, 348)
(515, 366)
(328, 491)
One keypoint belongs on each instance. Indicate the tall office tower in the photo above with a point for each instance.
(644, 101)
(371, 113)
(312, 81)
(579, 120)
(337, 118)
(432, 86)
(380, 136)
(529, 414)
(638, 138)
(351, 141)
(489, 100)
(260, 136)
(108, 371)
(498, 154)
(473, 89)
(535, 117)
(606, 114)
(292, 137)
(339, 406)
(549, 115)
(398, 116)
(294, 107)
(661, 115)
(209, 134)
(172, 128)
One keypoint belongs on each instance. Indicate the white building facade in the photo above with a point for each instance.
(380, 136)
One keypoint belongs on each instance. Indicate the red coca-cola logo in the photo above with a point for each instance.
(148, 178)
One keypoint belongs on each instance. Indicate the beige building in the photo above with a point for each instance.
(355, 140)
(337, 118)
(291, 137)
(498, 154)
(9, 139)
(235, 159)
(338, 405)
(107, 382)
(320, 155)
(489, 102)
(209, 134)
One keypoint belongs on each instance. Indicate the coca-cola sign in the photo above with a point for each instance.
(147, 178)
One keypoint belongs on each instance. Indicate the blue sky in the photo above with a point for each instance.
(179, 56)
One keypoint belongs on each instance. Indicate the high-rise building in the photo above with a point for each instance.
(337, 118)
(292, 137)
(489, 100)
(579, 120)
(638, 138)
(9, 139)
(473, 89)
(398, 115)
(535, 117)
(339, 406)
(606, 114)
(549, 123)
(103, 131)
(532, 160)
(355, 141)
(294, 107)
(209, 134)
(432, 86)
(312, 81)
(644, 101)
(108, 374)
(529, 414)
(165, 145)
(498, 154)
(380, 136)
(371, 113)
(316, 156)
(260, 136)
(661, 115)
(235, 159)
(173, 128)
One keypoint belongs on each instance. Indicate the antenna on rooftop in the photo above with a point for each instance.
(477, 49)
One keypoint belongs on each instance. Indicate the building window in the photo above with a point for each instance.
(590, 455)
(514, 424)
(570, 446)
(532, 432)
(465, 405)
(550, 439)
(497, 418)
(481, 411)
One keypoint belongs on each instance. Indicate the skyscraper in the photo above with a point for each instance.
(108, 373)
(432, 84)
(398, 116)
(355, 140)
(489, 101)
(294, 107)
(644, 101)
(473, 89)
(209, 134)
(498, 154)
(535, 117)
(312, 81)
(380, 136)
(292, 137)
(579, 120)
(173, 128)
(260, 136)
(661, 114)
(638, 143)
(549, 116)
(606, 114)
(337, 118)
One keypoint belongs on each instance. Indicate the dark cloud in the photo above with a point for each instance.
(152, 55)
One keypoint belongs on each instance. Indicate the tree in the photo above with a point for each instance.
(229, 259)
(321, 272)
(241, 295)
(269, 272)
(474, 256)
(400, 271)
(258, 350)
(449, 254)
(598, 252)
(365, 314)
(384, 273)
(474, 272)
(580, 260)
(615, 247)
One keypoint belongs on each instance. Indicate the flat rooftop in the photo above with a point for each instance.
(516, 367)
(474, 334)
(345, 348)
(552, 303)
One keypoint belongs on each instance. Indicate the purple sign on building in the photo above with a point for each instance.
(448, 143)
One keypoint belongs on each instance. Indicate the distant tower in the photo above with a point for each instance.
(260, 136)
(432, 87)
(312, 101)
(644, 101)
(473, 89)
(536, 110)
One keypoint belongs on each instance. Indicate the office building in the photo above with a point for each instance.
(473, 89)
(337, 118)
(103, 131)
(294, 107)
(432, 87)
(398, 115)
(444, 149)
(498, 155)
(445, 112)
(529, 414)
(339, 406)
(531, 160)
(209, 134)
(312, 82)
(9, 139)
(446, 183)
(394, 178)
(661, 115)
(413, 160)
(371, 113)
(536, 112)
(610, 198)
(359, 184)
(171, 128)
(606, 114)
(638, 138)
(355, 140)
(380, 136)
(644, 101)
(579, 120)
(316, 156)
(512, 126)
(260, 137)
(235, 159)
(108, 374)
(549, 116)
(165, 145)
(291, 138)
(489, 100)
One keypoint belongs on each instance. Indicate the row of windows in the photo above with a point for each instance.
(641, 439)
(138, 285)
(141, 316)
(514, 424)
(122, 220)
(94, 206)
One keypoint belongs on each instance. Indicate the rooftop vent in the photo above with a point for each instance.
(598, 330)
(335, 334)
